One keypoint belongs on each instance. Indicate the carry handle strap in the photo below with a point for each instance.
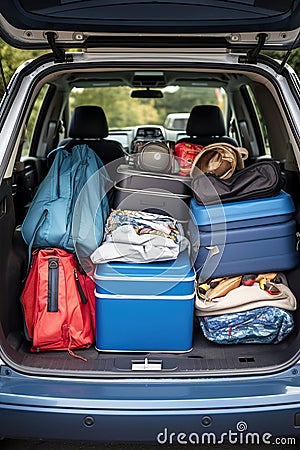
(243, 152)
(225, 145)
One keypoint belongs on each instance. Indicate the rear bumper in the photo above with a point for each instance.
(238, 426)
(241, 411)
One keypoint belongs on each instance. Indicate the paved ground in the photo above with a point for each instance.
(12, 444)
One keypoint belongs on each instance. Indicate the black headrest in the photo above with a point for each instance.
(206, 120)
(88, 122)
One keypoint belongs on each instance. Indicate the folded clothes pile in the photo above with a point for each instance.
(140, 237)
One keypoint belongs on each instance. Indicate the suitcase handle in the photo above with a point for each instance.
(152, 204)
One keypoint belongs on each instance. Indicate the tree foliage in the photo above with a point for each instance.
(293, 60)
(122, 110)
(11, 58)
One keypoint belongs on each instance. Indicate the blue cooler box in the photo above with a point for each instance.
(145, 307)
(245, 237)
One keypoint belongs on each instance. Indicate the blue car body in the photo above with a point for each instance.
(238, 394)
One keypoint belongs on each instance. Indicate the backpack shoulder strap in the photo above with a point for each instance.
(30, 244)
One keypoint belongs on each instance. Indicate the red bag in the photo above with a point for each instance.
(185, 153)
(58, 302)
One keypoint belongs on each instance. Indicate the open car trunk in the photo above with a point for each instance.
(205, 358)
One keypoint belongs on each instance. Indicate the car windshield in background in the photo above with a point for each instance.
(124, 111)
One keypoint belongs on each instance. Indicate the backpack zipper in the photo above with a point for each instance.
(53, 268)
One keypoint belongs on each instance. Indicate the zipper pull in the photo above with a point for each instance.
(297, 241)
(80, 290)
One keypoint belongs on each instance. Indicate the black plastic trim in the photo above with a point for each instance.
(254, 120)
(12, 91)
(16, 80)
(158, 40)
(41, 119)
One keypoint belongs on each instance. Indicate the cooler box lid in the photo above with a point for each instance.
(173, 270)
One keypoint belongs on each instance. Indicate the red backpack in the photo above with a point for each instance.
(58, 302)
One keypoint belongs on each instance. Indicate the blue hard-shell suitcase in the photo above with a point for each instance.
(245, 237)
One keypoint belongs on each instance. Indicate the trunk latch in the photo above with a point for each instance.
(146, 364)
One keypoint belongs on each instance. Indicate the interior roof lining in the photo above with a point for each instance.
(80, 79)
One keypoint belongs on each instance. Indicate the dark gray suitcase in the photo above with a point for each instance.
(154, 192)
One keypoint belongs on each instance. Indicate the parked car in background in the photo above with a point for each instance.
(176, 121)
